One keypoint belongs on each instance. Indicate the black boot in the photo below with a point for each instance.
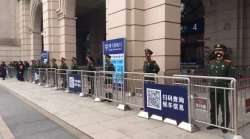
(211, 127)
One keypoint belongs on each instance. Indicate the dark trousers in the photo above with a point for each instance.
(220, 97)
(64, 81)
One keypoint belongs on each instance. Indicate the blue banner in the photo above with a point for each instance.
(75, 84)
(116, 49)
(44, 57)
(168, 101)
(115, 46)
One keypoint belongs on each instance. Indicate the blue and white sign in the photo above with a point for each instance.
(116, 49)
(168, 101)
(75, 84)
(44, 57)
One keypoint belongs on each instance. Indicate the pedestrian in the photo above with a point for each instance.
(150, 66)
(3, 70)
(110, 68)
(26, 70)
(219, 66)
(21, 69)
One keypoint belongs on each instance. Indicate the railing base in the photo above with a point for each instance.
(122, 107)
(232, 136)
(188, 127)
(170, 121)
(156, 117)
(66, 91)
(143, 114)
(97, 99)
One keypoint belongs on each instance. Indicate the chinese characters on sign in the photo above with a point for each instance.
(168, 101)
(75, 83)
(116, 49)
(247, 104)
(200, 103)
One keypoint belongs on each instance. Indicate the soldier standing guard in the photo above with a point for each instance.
(74, 65)
(63, 72)
(53, 64)
(150, 66)
(53, 71)
(219, 66)
(109, 81)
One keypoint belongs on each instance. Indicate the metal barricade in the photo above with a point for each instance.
(73, 79)
(243, 88)
(89, 83)
(42, 76)
(134, 87)
(34, 75)
(61, 76)
(110, 88)
(11, 72)
(219, 92)
(51, 77)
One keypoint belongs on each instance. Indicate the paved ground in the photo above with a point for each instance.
(25, 122)
(101, 120)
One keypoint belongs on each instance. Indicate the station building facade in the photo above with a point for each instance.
(76, 28)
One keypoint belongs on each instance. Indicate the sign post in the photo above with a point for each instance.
(44, 57)
(116, 49)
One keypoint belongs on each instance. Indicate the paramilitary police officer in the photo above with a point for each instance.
(150, 66)
(63, 68)
(108, 82)
(74, 65)
(53, 64)
(219, 66)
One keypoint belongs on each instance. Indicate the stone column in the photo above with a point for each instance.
(153, 24)
(25, 29)
(67, 31)
(162, 33)
(51, 28)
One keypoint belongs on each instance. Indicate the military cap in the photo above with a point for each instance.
(73, 58)
(53, 59)
(219, 47)
(148, 51)
(107, 56)
(63, 59)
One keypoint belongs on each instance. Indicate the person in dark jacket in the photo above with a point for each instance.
(3, 70)
(109, 81)
(21, 69)
(63, 72)
(91, 75)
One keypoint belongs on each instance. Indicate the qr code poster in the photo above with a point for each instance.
(167, 101)
(71, 82)
(154, 99)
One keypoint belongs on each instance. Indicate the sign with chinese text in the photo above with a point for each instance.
(247, 105)
(168, 101)
(44, 57)
(116, 49)
(75, 83)
(200, 103)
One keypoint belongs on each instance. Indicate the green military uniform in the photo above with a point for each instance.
(150, 66)
(63, 66)
(54, 66)
(222, 68)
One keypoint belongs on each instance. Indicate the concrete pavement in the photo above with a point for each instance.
(21, 121)
(100, 120)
